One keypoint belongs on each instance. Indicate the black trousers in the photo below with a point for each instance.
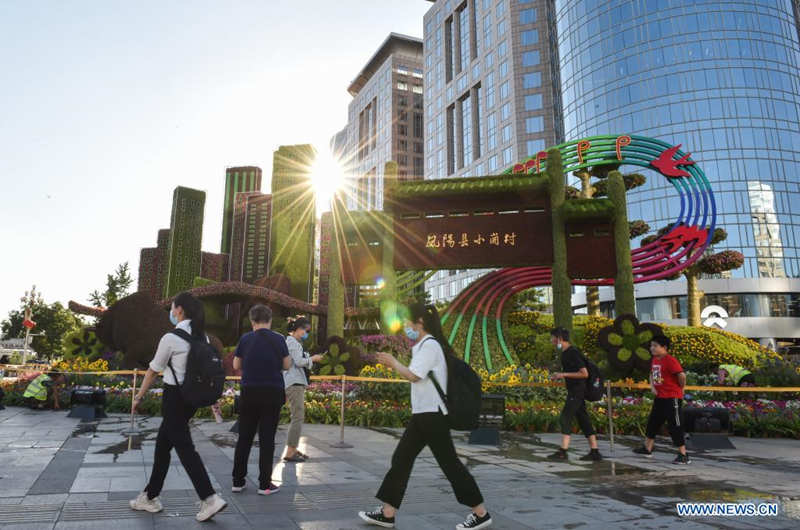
(429, 429)
(174, 433)
(260, 410)
(667, 410)
(575, 407)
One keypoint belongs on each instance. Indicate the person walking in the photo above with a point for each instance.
(667, 380)
(261, 355)
(186, 314)
(575, 373)
(428, 425)
(296, 380)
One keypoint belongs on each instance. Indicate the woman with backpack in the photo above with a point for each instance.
(428, 425)
(186, 314)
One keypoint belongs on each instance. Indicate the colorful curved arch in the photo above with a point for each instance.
(681, 246)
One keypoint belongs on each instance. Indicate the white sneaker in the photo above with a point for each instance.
(142, 503)
(210, 507)
(238, 489)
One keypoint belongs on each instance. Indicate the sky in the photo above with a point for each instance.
(107, 106)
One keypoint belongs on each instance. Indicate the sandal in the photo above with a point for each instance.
(297, 457)
(303, 455)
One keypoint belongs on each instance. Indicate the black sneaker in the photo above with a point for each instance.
(473, 522)
(643, 451)
(593, 455)
(269, 490)
(377, 518)
(682, 459)
(561, 454)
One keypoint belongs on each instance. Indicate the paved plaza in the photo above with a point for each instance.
(56, 472)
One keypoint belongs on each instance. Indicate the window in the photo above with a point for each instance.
(402, 145)
(402, 85)
(534, 125)
(534, 146)
(418, 129)
(402, 101)
(492, 163)
(448, 49)
(416, 89)
(507, 134)
(418, 146)
(501, 8)
(501, 49)
(503, 69)
(501, 29)
(530, 58)
(402, 130)
(402, 115)
(466, 131)
(527, 16)
(491, 133)
(508, 155)
(418, 167)
(529, 37)
(417, 73)
(505, 111)
(533, 102)
(532, 80)
(464, 28)
(487, 31)
(490, 90)
(402, 69)
(503, 90)
(489, 61)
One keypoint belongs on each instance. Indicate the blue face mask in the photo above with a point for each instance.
(559, 346)
(304, 336)
(173, 319)
(412, 333)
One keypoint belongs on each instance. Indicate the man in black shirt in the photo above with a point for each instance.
(574, 375)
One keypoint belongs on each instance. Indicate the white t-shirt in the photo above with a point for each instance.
(427, 355)
(172, 347)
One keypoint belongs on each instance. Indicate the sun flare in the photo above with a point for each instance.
(327, 177)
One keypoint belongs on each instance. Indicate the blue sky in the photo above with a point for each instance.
(108, 105)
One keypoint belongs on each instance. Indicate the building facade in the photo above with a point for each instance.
(292, 226)
(185, 240)
(722, 79)
(237, 180)
(491, 94)
(153, 267)
(384, 122)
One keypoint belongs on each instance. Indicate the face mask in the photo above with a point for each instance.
(304, 336)
(412, 333)
(173, 319)
(559, 346)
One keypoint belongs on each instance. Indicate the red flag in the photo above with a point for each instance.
(28, 323)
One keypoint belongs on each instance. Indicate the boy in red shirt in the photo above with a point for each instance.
(667, 381)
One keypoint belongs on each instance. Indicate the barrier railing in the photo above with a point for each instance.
(344, 379)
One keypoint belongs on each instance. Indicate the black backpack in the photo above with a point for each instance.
(463, 397)
(205, 376)
(595, 383)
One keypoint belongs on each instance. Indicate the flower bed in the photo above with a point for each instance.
(527, 410)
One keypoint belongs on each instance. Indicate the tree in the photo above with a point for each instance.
(53, 321)
(117, 285)
(599, 188)
(710, 263)
(529, 300)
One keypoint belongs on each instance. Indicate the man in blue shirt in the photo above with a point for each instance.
(261, 356)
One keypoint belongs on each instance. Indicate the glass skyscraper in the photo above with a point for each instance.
(721, 78)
